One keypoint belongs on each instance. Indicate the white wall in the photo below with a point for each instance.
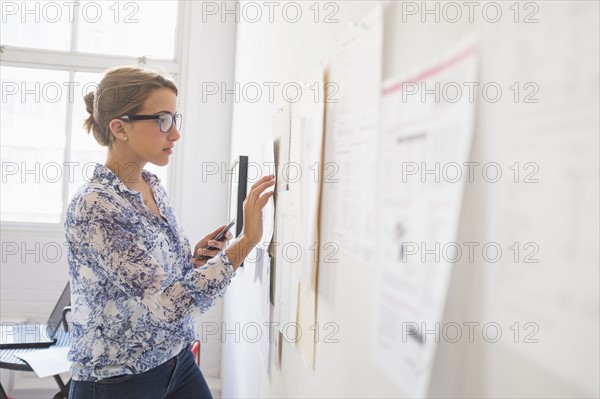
(284, 52)
(560, 53)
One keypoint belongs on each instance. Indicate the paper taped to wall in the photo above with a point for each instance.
(419, 213)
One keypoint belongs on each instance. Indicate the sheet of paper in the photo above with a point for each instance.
(286, 293)
(285, 203)
(418, 212)
(268, 213)
(264, 280)
(47, 362)
(306, 149)
(349, 176)
(275, 339)
(282, 122)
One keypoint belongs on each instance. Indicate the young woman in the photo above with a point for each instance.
(135, 281)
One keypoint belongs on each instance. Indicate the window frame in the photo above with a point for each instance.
(75, 61)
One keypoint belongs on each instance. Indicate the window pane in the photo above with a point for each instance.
(140, 28)
(85, 150)
(33, 119)
(37, 24)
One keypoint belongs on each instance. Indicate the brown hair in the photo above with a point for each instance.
(122, 91)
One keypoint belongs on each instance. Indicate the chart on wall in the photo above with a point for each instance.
(299, 134)
(352, 123)
(306, 149)
(419, 211)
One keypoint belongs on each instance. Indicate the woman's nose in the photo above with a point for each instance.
(174, 134)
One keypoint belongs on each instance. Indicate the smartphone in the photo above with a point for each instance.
(225, 230)
(219, 236)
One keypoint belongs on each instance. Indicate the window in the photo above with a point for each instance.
(52, 54)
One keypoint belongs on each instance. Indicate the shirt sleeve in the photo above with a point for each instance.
(102, 237)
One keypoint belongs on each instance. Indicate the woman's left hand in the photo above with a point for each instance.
(214, 247)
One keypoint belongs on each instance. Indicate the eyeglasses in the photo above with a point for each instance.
(165, 120)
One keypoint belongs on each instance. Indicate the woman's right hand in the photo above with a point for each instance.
(253, 206)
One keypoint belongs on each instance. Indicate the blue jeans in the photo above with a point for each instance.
(178, 377)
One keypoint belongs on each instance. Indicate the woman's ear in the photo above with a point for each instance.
(117, 128)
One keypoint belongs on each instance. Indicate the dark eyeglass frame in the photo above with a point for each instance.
(131, 118)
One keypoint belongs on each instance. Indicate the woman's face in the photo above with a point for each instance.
(145, 141)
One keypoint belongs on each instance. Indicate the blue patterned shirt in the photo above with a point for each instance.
(133, 284)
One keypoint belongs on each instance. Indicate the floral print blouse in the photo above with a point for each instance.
(133, 284)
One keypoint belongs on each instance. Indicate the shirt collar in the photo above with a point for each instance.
(107, 177)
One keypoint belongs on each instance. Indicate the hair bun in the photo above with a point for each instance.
(89, 99)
